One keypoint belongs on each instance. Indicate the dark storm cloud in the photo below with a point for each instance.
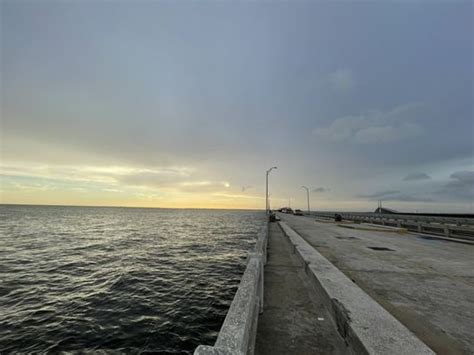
(379, 194)
(407, 198)
(416, 176)
(394, 195)
(321, 189)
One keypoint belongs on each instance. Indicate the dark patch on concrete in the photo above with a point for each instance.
(347, 238)
(380, 249)
(342, 318)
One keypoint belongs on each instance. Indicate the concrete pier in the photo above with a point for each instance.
(426, 284)
(333, 290)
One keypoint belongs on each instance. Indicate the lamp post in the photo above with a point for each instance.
(307, 195)
(266, 189)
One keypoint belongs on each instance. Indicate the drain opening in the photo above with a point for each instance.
(380, 249)
(347, 238)
(431, 238)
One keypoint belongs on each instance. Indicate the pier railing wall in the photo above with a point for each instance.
(237, 334)
(461, 228)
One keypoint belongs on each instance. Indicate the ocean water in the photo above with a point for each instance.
(118, 279)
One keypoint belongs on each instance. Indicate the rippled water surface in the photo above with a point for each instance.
(122, 279)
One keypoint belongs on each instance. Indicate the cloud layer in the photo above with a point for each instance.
(190, 103)
(416, 177)
(342, 80)
(373, 127)
(460, 186)
(379, 194)
(321, 189)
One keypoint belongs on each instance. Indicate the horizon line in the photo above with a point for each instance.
(109, 206)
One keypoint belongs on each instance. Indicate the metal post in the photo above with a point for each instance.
(266, 193)
(307, 196)
(266, 188)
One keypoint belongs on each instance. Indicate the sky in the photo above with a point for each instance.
(187, 104)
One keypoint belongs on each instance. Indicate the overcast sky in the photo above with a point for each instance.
(166, 104)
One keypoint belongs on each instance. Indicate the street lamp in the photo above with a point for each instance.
(307, 194)
(266, 189)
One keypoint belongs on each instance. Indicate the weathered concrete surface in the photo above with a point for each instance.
(294, 321)
(363, 323)
(428, 285)
(237, 328)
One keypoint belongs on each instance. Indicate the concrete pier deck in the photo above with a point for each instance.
(295, 320)
(428, 285)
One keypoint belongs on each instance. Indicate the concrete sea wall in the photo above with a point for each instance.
(237, 334)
